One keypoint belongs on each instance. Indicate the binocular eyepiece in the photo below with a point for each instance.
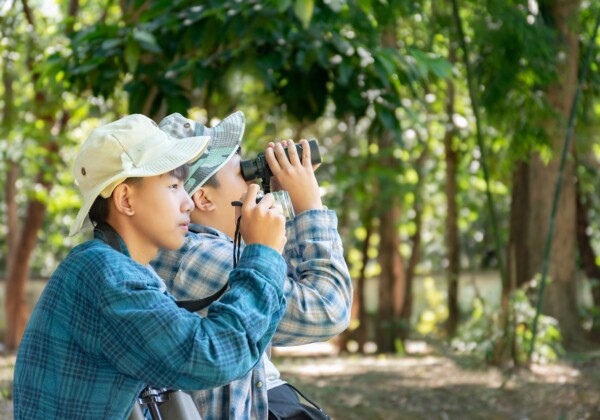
(258, 168)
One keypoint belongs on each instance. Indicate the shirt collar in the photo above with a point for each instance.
(98, 234)
(196, 228)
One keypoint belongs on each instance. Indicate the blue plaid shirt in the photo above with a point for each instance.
(104, 327)
(318, 291)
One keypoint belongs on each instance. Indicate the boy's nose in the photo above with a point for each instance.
(188, 203)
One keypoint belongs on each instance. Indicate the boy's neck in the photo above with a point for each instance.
(202, 218)
(139, 249)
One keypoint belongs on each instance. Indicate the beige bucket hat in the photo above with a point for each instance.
(132, 146)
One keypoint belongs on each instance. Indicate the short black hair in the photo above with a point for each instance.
(99, 210)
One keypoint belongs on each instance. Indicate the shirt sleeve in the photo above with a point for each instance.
(203, 269)
(318, 289)
(147, 336)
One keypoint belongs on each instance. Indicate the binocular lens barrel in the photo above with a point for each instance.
(258, 168)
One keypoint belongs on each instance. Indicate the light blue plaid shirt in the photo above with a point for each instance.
(318, 291)
(104, 328)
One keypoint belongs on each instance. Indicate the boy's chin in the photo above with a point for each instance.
(175, 244)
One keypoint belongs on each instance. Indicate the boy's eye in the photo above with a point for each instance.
(174, 186)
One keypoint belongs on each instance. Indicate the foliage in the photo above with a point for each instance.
(436, 312)
(481, 331)
(209, 55)
(301, 68)
(40, 98)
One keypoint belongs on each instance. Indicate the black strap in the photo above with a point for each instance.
(237, 243)
(308, 399)
(195, 305)
(111, 237)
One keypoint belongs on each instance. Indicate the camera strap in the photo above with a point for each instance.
(237, 243)
(111, 237)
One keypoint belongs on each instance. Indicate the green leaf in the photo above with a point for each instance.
(111, 43)
(366, 6)
(344, 71)
(282, 5)
(336, 5)
(422, 62)
(132, 55)
(387, 118)
(386, 61)
(441, 67)
(303, 9)
(146, 39)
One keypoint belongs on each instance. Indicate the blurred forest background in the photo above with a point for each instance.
(443, 125)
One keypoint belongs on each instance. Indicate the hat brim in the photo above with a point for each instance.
(226, 138)
(177, 152)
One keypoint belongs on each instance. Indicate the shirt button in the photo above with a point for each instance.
(259, 384)
(186, 125)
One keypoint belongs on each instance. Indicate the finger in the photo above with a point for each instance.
(267, 201)
(293, 153)
(283, 160)
(272, 160)
(305, 153)
(249, 197)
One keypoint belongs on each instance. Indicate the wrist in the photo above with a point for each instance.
(302, 207)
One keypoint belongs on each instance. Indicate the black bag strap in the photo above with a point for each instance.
(309, 400)
(195, 305)
(111, 237)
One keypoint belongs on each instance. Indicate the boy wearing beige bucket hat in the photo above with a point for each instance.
(105, 327)
(317, 285)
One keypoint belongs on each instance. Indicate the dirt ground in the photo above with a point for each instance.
(435, 386)
(428, 385)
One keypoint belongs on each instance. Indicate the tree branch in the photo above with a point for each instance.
(28, 13)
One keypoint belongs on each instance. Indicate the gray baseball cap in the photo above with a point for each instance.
(225, 139)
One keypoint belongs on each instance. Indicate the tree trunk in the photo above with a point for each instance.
(361, 312)
(415, 240)
(518, 264)
(345, 228)
(560, 299)
(17, 309)
(404, 326)
(12, 216)
(518, 259)
(588, 261)
(392, 285)
(452, 241)
(391, 281)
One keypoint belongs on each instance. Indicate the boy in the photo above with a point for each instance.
(317, 286)
(104, 327)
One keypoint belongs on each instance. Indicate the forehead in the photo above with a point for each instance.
(232, 164)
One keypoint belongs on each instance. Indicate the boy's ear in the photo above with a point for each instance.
(202, 200)
(121, 199)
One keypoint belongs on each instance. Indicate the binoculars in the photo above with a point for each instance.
(258, 168)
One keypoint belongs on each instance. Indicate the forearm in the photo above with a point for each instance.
(203, 352)
(318, 289)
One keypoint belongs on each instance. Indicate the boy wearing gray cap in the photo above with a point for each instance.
(104, 326)
(317, 285)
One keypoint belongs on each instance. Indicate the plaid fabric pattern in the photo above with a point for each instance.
(318, 292)
(102, 329)
(225, 140)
